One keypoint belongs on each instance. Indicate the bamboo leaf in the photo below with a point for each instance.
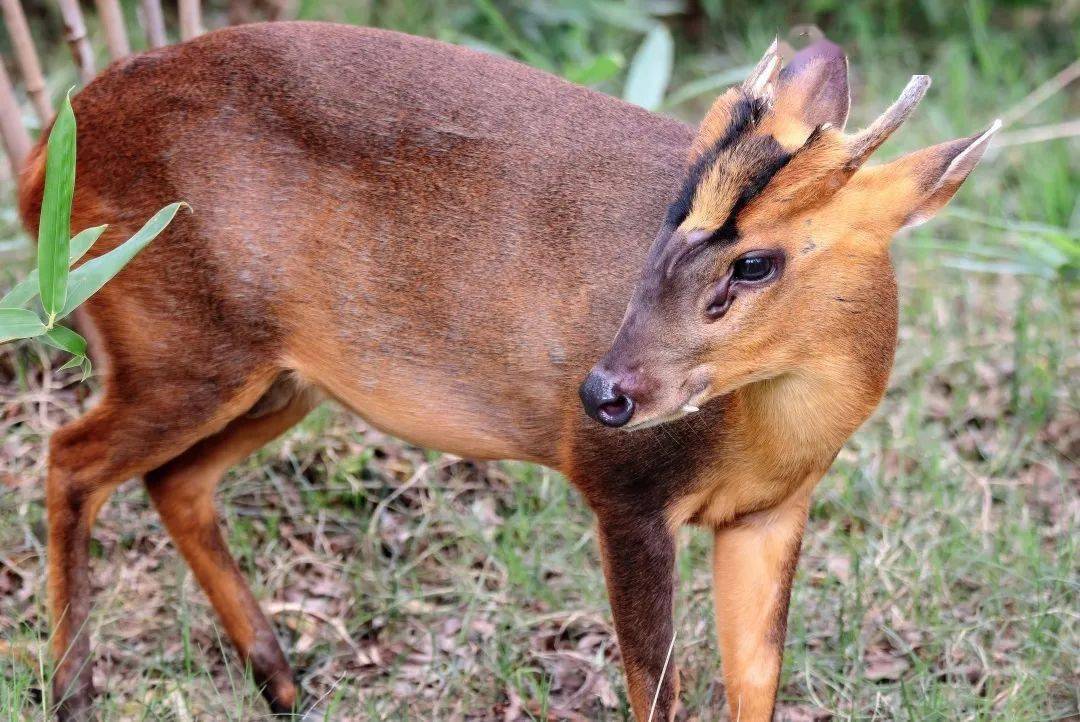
(66, 340)
(19, 323)
(650, 69)
(22, 293)
(88, 278)
(26, 289)
(54, 229)
(73, 362)
(84, 241)
(80, 361)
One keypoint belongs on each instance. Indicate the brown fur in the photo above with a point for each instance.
(448, 257)
(183, 493)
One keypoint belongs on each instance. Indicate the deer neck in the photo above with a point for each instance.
(780, 437)
(794, 424)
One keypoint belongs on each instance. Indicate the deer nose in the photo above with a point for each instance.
(604, 400)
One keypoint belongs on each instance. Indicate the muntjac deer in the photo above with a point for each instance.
(446, 242)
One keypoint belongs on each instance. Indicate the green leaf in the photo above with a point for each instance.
(650, 70)
(73, 362)
(23, 291)
(511, 39)
(54, 230)
(66, 340)
(599, 69)
(26, 289)
(88, 278)
(623, 15)
(84, 241)
(19, 323)
(709, 85)
(81, 361)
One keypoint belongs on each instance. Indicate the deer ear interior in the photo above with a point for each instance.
(813, 87)
(930, 177)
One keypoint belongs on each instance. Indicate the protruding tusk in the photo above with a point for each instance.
(690, 409)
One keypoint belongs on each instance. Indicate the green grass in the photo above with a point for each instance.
(939, 575)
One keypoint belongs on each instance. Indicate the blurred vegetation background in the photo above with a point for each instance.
(940, 570)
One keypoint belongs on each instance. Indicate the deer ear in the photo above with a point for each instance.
(813, 87)
(924, 181)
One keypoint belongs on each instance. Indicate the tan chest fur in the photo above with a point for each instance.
(785, 433)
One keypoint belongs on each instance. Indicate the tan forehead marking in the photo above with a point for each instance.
(736, 178)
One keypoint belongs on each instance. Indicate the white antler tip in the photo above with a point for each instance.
(917, 86)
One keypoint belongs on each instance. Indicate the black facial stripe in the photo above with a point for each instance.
(745, 113)
(777, 159)
(767, 157)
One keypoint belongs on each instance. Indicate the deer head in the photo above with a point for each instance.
(773, 259)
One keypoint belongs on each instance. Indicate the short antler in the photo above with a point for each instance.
(762, 79)
(869, 140)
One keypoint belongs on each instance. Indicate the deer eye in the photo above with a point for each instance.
(753, 268)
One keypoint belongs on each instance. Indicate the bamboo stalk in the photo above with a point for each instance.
(15, 138)
(75, 34)
(26, 55)
(112, 19)
(154, 22)
(190, 19)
